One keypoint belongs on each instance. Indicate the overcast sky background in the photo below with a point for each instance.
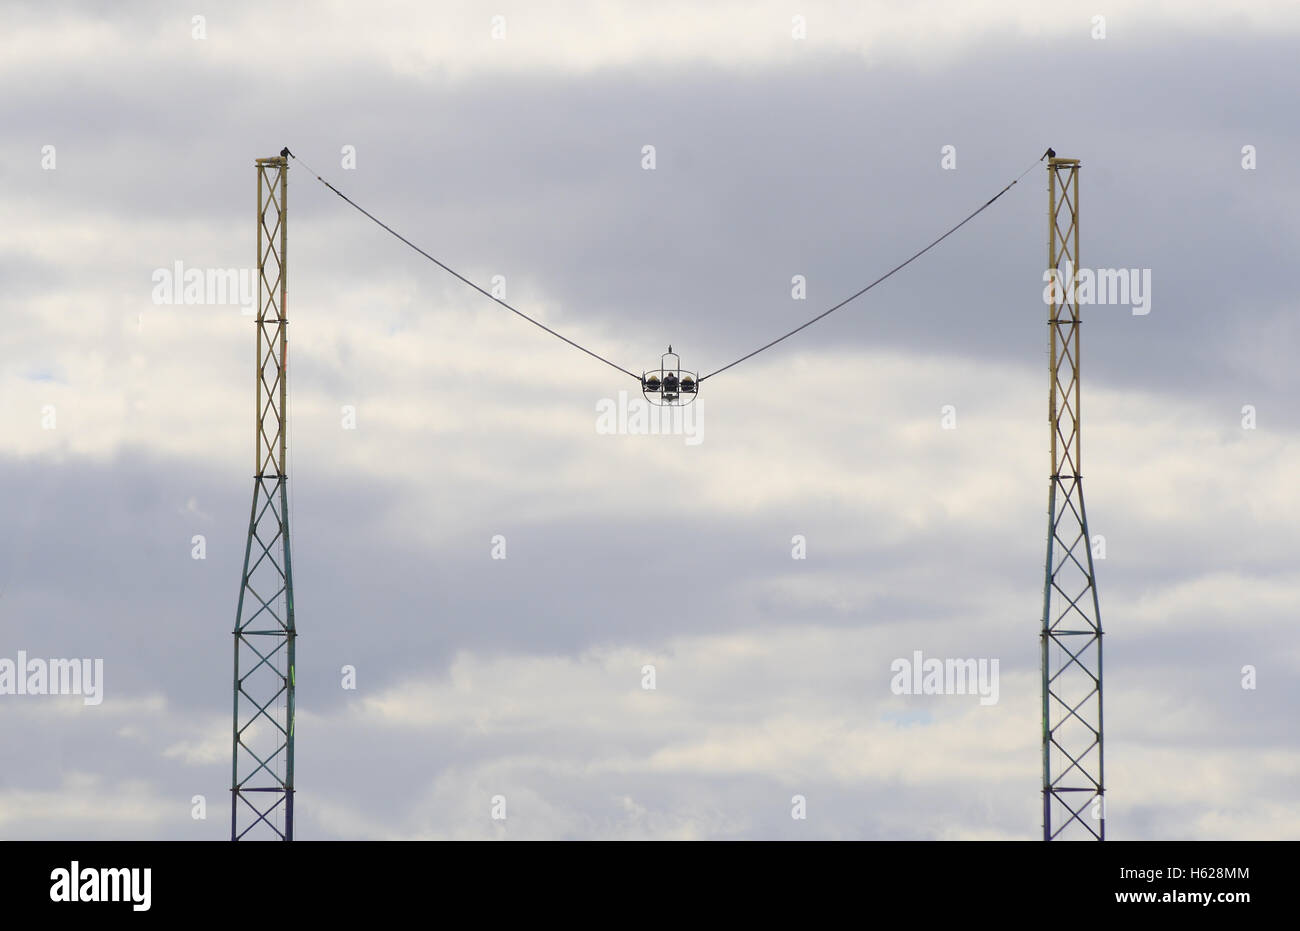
(522, 157)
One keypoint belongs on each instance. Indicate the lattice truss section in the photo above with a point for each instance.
(262, 777)
(1073, 784)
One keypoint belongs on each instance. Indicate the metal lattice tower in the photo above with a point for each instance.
(1073, 785)
(261, 804)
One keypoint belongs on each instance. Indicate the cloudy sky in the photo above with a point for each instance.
(521, 156)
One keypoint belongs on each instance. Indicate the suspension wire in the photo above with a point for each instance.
(826, 313)
(456, 274)
(896, 268)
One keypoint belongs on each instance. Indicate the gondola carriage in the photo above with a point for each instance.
(669, 385)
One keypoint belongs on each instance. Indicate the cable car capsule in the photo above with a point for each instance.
(670, 385)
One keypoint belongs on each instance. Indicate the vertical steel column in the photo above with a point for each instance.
(261, 804)
(1073, 776)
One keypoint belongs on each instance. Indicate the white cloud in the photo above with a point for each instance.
(437, 43)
